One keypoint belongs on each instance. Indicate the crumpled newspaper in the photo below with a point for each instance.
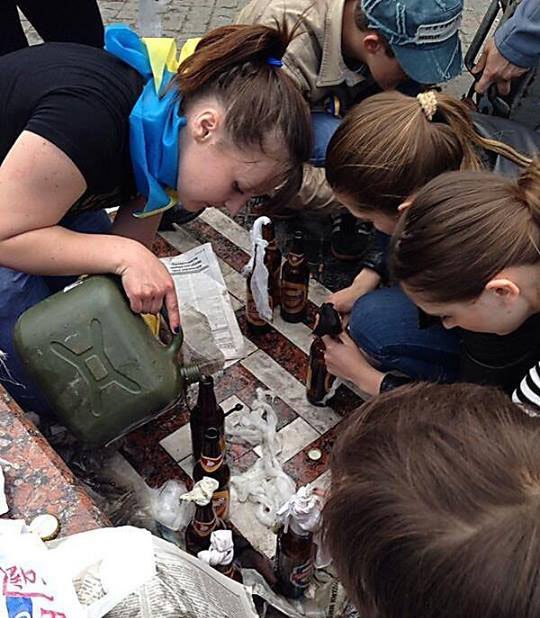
(265, 483)
(221, 551)
(258, 271)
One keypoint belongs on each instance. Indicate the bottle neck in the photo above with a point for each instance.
(207, 397)
(204, 520)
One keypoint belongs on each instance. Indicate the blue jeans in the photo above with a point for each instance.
(323, 126)
(384, 324)
(20, 291)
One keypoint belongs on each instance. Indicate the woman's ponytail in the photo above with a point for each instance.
(528, 189)
(456, 115)
(231, 48)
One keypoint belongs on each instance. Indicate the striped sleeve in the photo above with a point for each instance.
(527, 393)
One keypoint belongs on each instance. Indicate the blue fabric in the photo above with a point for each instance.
(323, 126)
(20, 291)
(154, 123)
(518, 39)
(384, 324)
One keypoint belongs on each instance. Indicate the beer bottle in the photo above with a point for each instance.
(206, 413)
(221, 554)
(319, 382)
(200, 528)
(272, 261)
(295, 282)
(213, 464)
(256, 325)
(295, 549)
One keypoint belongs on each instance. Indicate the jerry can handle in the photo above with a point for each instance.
(174, 347)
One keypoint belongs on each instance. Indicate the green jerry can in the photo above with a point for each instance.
(102, 370)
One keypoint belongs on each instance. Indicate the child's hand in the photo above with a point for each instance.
(344, 299)
(149, 285)
(345, 360)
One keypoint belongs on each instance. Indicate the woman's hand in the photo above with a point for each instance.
(344, 299)
(148, 284)
(365, 281)
(345, 360)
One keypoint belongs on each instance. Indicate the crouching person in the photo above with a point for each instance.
(434, 509)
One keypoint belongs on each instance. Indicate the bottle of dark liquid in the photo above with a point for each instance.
(200, 528)
(212, 463)
(255, 323)
(230, 570)
(272, 261)
(295, 282)
(206, 413)
(319, 381)
(221, 554)
(295, 561)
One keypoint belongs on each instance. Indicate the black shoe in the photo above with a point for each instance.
(177, 214)
(350, 238)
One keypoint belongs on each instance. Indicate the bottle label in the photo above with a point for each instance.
(203, 528)
(298, 575)
(295, 259)
(211, 464)
(293, 296)
(220, 502)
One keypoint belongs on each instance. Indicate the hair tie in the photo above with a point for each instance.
(274, 62)
(428, 103)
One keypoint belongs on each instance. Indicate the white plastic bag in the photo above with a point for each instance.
(39, 582)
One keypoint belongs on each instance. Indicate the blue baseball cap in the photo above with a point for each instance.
(423, 34)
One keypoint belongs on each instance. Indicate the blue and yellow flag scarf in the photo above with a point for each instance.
(155, 120)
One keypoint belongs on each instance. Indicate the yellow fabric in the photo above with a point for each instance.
(153, 322)
(163, 54)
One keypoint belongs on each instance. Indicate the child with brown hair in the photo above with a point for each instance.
(347, 50)
(387, 148)
(433, 510)
(82, 129)
(467, 250)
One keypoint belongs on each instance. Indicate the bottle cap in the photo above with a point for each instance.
(46, 526)
(329, 322)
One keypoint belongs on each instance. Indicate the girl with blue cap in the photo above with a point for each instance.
(82, 129)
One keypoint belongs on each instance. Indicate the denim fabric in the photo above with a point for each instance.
(323, 126)
(384, 324)
(20, 291)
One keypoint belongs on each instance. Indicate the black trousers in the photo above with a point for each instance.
(74, 21)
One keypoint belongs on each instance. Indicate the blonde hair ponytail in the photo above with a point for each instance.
(390, 145)
(456, 115)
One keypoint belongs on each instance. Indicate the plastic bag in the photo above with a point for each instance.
(39, 582)
(258, 271)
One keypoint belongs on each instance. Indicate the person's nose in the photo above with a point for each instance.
(235, 204)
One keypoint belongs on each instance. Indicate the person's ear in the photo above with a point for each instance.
(372, 43)
(205, 124)
(504, 289)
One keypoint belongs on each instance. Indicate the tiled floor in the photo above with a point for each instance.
(276, 361)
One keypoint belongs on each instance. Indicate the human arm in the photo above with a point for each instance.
(38, 185)
(365, 281)
(513, 50)
(345, 360)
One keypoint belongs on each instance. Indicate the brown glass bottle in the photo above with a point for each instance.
(206, 413)
(295, 282)
(272, 261)
(319, 381)
(200, 528)
(212, 463)
(295, 560)
(230, 570)
(256, 325)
